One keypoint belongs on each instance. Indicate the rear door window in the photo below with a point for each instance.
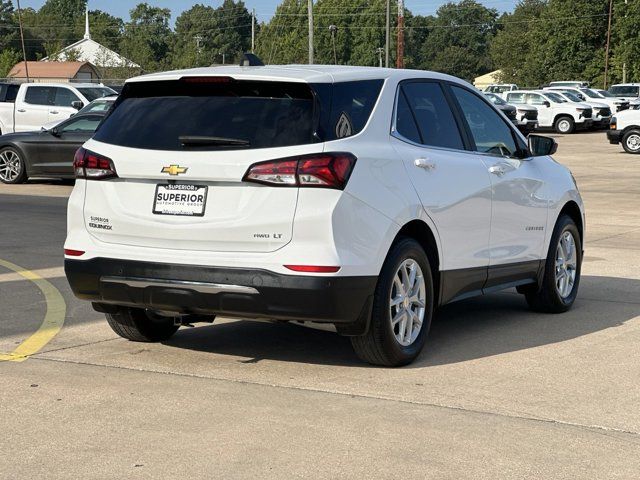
(40, 95)
(434, 118)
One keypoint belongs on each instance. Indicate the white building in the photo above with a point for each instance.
(88, 50)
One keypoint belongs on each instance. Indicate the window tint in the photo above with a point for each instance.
(154, 115)
(405, 123)
(624, 90)
(534, 99)
(433, 115)
(516, 98)
(84, 124)
(40, 95)
(345, 107)
(64, 97)
(490, 132)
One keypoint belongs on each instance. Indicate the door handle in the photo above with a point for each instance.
(54, 112)
(21, 110)
(497, 170)
(424, 163)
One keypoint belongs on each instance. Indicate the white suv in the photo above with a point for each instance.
(359, 197)
(553, 110)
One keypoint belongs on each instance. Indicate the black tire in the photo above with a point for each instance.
(379, 345)
(137, 325)
(22, 175)
(546, 298)
(559, 125)
(631, 142)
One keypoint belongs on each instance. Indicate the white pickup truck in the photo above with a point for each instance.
(37, 104)
(553, 110)
(625, 129)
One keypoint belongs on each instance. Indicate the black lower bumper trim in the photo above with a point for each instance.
(614, 136)
(172, 287)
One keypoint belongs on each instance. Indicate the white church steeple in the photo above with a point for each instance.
(87, 35)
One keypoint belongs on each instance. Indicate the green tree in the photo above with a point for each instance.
(232, 35)
(193, 46)
(8, 58)
(570, 40)
(459, 39)
(285, 38)
(60, 23)
(147, 37)
(625, 42)
(512, 47)
(106, 29)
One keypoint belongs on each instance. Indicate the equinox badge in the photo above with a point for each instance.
(174, 170)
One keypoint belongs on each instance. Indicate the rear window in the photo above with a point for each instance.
(213, 115)
(624, 91)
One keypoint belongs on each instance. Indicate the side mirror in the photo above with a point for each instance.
(77, 105)
(55, 132)
(546, 103)
(540, 146)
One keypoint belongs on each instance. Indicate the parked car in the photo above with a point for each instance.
(590, 95)
(625, 129)
(627, 91)
(38, 104)
(627, 103)
(553, 110)
(101, 105)
(525, 117)
(501, 88)
(353, 196)
(601, 111)
(570, 83)
(46, 153)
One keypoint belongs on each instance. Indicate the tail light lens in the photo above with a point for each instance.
(321, 170)
(92, 166)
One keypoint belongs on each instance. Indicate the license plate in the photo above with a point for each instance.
(184, 200)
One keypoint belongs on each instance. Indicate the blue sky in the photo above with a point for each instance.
(264, 8)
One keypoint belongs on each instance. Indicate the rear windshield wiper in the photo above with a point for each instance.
(198, 141)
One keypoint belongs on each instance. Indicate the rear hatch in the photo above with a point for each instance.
(181, 149)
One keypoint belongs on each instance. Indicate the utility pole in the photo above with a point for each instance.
(334, 29)
(24, 50)
(387, 40)
(400, 56)
(380, 51)
(253, 30)
(310, 9)
(606, 54)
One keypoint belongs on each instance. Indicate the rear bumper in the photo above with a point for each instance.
(231, 292)
(614, 136)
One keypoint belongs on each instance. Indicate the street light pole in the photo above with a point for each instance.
(387, 40)
(310, 10)
(606, 54)
(24, 50)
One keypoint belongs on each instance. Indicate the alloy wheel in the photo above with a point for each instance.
(566, 265)
(10, 166)
(407, 302)
(564, 126)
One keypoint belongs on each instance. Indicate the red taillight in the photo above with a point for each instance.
(73, 253)
(312, 268)
(91, 166)
(323, 170)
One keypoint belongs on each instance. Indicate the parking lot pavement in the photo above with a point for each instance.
(500, 392)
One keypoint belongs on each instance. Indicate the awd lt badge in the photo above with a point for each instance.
(174, 170)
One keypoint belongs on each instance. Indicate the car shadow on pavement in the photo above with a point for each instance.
(467, 330)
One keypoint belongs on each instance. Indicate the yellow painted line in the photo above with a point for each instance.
(53, 319)
(56, 272)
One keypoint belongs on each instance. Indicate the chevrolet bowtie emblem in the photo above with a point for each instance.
(174, 170)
